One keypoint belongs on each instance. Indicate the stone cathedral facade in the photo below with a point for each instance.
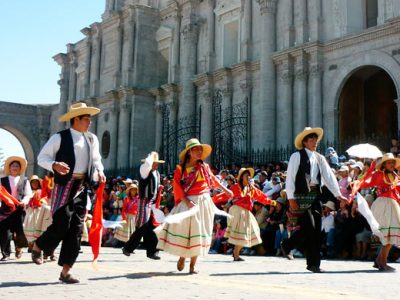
(242, 75)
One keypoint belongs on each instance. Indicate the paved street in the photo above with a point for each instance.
(219, 278)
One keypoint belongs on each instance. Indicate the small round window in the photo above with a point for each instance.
(105, 144)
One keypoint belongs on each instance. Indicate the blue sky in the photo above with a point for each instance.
(32, 32)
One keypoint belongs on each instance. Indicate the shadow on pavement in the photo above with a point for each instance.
(25, 284)
(141, 275)
(291, 273)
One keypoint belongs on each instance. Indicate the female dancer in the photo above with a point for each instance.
(386, 208)
(193, 181)
(243, 229)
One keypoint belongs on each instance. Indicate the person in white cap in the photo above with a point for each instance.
(307, 172)
(74, 158)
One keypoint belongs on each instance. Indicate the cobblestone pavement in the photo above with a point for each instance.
(138, 277)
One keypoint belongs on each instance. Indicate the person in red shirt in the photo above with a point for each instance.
(193, 181)
(243, 229)
(128, 213)
(386, 208)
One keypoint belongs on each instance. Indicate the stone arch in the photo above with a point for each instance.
(30, 125)
(26, 146)
(338, 79)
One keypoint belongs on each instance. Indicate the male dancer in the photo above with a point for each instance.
(149, 184)
(307, 171)
(73, 155)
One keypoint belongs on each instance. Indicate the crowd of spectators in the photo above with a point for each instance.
(346, 233)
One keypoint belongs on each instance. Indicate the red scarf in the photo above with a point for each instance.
(358, 183)
(7, 198)
(190, 179)
(96, 229)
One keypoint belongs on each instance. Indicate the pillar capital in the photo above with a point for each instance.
(267, 6)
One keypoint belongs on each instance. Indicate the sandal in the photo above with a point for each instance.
(37, 257)
(181, 264)
(68, 278)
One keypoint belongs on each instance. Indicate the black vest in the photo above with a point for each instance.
(147, 186)
(301, 186)
(65, 154)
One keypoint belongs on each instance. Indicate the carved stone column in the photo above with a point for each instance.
(315, 95)
(88, 42)
(314, 20)
(118, 70)
(265, 120)
(175, 63)
(246, 41)
(188, 69)
(129, 39)
(300, 21)
(247, 89)
(206, 116)
(300, 94)
(284, 122)
(124, 121)
(158, 126)
(211, 36)
(96, 49)
(72, 76)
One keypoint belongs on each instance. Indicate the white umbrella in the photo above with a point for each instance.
(364, 151)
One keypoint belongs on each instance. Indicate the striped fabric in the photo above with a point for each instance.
(192, 236)
(124, 233)
(36, 221)
(243, 229)
(305, 202)
(387, 212)
(60, 195)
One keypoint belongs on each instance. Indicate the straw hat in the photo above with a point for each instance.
(242, 170)
(35, 177)
(132, 186)
(330, 204)
(155, 158)
(193, 143)
(78, 109)
(386, 157)
(22, 161)
(298, 142)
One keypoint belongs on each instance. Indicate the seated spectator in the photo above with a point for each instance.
(274, 192)
(281, 233)
(344, 236)
(218, 237)
(362, 231)
(277, 216)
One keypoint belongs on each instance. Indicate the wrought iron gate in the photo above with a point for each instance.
(175, 135)
(230, 132)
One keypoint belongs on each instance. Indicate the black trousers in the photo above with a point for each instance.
(12, 224)
(67, 227)
(308, 238)
(149, 238)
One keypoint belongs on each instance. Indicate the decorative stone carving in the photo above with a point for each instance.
(267, 6)
(190, 31)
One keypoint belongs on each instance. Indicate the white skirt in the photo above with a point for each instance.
(191, 237)
(387, 212)
(243, 229)
(36, 222)
(124, 233)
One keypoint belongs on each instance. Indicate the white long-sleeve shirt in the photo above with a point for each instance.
(145, 169)
(318, 164)
(47, 155)
(14, 180)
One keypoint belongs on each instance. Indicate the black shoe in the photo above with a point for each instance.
(315, 269)
(68, 278)
(126, 252)
(238, 259)
(154, 256)
(5, 258)
(286, 252)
